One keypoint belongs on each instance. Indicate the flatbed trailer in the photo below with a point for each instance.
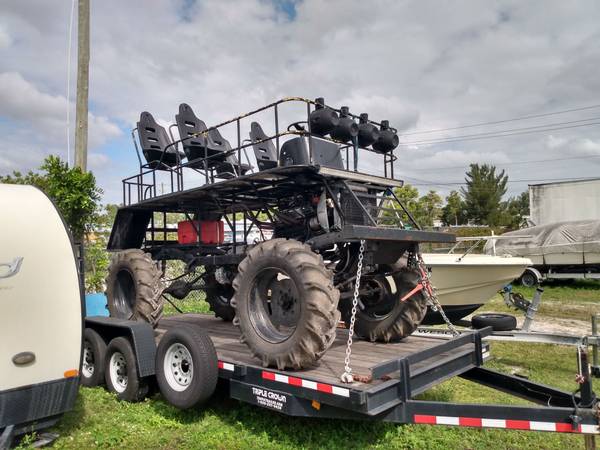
(390, 376)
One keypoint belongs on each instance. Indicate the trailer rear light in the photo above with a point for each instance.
(71, 373)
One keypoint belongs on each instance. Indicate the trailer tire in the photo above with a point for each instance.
(498, 322)
(286, 304)
(218, 297)
(121, 372)
(134, 287)
(530, 278)
(94, 354)
(399, 319)
(186, 367)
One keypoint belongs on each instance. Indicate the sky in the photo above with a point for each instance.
(423, 65)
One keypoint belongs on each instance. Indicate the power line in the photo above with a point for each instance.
(533, 116)
(434, 183)
(514, 163)
(534, 127)
(491, 136)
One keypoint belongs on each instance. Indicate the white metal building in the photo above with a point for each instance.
(569, 200)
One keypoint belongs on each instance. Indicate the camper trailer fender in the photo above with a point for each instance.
(140, 334)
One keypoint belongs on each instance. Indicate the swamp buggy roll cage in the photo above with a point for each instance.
(312, 199)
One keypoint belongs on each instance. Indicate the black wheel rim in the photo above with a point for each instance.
(528, 280)
(124, 294)
(376, 300)
(275, 305)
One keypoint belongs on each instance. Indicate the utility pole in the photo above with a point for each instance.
(83, 69)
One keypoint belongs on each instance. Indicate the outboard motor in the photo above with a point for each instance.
(347, 128)
(367, 132)
(388, 139)
(322, 120)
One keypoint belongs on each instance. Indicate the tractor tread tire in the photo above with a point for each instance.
(402, 321)
(149, 286)
(214, 291)
(316, 329)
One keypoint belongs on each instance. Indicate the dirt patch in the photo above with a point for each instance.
(547, 324)
(556, 325)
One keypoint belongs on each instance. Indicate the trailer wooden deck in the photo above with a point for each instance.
(426, 355)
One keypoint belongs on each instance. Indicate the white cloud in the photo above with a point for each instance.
(44, 115)
(424, 65)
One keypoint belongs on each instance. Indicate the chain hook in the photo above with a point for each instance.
(347, 377)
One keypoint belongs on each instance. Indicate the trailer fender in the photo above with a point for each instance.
(140, 334)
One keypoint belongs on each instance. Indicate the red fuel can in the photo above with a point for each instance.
(211, 232)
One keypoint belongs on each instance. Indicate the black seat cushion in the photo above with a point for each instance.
(264, 152)
(155, 143)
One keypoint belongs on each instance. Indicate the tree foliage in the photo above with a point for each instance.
(74, 192)
(454, 212)
(425, 209)
(517, 209)
(483, 194)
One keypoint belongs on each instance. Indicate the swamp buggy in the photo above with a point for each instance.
(321, 223)
(330, 240)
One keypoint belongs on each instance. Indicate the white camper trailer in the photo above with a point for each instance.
(40, 313)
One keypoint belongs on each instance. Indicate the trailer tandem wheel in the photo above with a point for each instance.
(186, 367)
(121, 372)
(94, 354)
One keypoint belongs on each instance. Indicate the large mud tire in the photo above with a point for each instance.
(134, 287)
(313, 318)
(396, 319)
(218, 296)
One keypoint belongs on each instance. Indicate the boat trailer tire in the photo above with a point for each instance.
(186, 367)
(134, 287)
(530, 278)
(498, 322)
(286, 304)
(381, 316)
(94, 354)
(218, 296)
(121, 373)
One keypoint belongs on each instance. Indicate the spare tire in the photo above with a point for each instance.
(498, 322)
(134, 287)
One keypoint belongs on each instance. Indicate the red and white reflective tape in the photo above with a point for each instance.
(530, 425)
(226, 366)
(299, 382)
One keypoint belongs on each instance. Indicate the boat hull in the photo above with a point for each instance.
(473, 279)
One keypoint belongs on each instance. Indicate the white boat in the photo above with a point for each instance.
(466, 282)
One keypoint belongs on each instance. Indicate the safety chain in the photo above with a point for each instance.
(347, 376)
(431, 293)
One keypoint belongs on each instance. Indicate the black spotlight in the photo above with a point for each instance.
(367, 132)
(347, 128)
(388, 139)
(322, 120)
